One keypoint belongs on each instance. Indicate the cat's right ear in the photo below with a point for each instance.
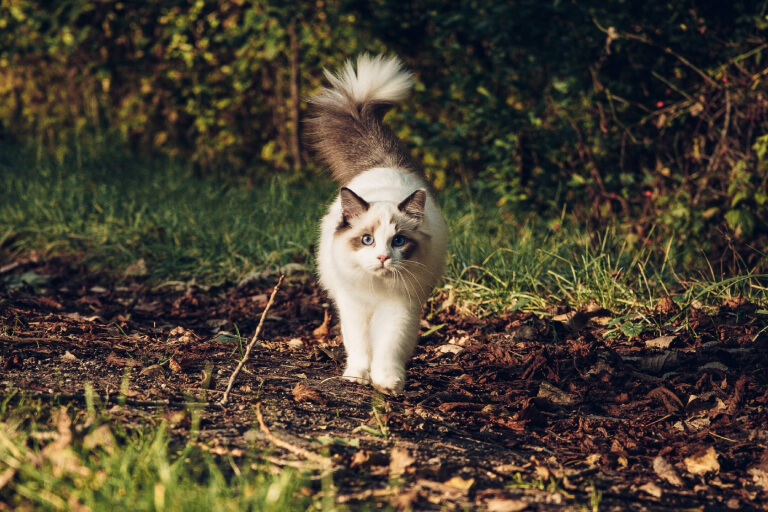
(352, 205)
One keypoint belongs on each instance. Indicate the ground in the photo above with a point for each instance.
(511, 411)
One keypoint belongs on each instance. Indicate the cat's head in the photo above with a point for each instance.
(381, 237)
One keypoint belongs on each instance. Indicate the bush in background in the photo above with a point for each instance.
(650, 114)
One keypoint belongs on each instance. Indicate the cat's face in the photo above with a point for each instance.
(382, 238)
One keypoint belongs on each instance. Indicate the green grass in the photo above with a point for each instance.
(56, 458)
(119, 210)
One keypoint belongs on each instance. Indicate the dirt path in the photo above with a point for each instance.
(508, 413)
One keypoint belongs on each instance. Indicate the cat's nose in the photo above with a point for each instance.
(383, 258)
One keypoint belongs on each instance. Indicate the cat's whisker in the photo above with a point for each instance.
(415, 278)
(424, 268)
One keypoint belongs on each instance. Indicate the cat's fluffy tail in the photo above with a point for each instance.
(346, 125)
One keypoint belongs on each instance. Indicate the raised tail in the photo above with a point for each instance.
(346, 125)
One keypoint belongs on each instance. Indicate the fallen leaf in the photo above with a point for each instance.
(554, 395)
(174, 365)
(666, 471)
(665, 306)
(652, 489)
(12, 362)
(69, 356)
(303, 393)
(703, 462)
(154, 370)
(399, 460)
(295, 344)
(325, 327)
(459, 483)
(660, 363)
(508, 469)
(360, 458)
(503, 505)
(116, 360)
(450, 349)
(760, 471)
(660, 342)
(670, 400)
(100, 437)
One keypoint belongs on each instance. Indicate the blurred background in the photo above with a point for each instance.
(648, 115)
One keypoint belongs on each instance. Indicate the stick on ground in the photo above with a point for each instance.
(225, 398)
(297, 450)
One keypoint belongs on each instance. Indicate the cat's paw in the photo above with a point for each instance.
(391, 382)
(358, 375)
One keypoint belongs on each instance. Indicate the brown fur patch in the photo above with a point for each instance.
(409, 248)
(356, 241)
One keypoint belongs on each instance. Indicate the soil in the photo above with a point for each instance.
(514, 411)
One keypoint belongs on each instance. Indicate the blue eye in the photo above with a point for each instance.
(398, 241)
(367, 240)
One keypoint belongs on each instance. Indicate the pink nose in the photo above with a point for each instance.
(383, 258)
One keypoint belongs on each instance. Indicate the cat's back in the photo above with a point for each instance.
(386, 184)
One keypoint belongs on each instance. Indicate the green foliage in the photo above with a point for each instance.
(159, 220)
(209, 80)
(652, 113)
(50, 464)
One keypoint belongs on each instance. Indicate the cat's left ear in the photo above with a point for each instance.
(413, 205)
(352, 205)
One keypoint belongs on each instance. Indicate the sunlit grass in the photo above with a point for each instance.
(119, 211)
(56, 458)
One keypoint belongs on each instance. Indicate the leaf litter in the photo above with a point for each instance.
(508, 412)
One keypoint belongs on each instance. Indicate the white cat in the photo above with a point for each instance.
(383, 241)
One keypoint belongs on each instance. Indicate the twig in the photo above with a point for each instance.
(298, 450)
(225, 398)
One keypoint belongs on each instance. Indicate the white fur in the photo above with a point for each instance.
(378, 78)
(380, 303)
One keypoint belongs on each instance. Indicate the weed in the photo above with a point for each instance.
(56, 463)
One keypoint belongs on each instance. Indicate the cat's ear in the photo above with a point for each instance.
(413, 205)
(352, 205)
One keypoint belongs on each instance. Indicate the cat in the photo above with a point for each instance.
(382, 243)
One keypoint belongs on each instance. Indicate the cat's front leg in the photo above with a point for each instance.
(394, 330)
(354, 330)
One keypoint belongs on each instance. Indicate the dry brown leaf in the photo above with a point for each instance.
(670, 400)
(666, 306)
(101, 437)
(449, 348)
(735, 302)
(666, 471)
(69, 356)
(154, 370)
(660, 342)
(508, 469)
(503, 505)
(554, 395)
(303, 393)
(760, 472)
(325, 327)
(399, 460)
(174, 365)
(116, 360)
(652, 489)
(360, 458)
(459, 483)
(703, 462)
(405, 500)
